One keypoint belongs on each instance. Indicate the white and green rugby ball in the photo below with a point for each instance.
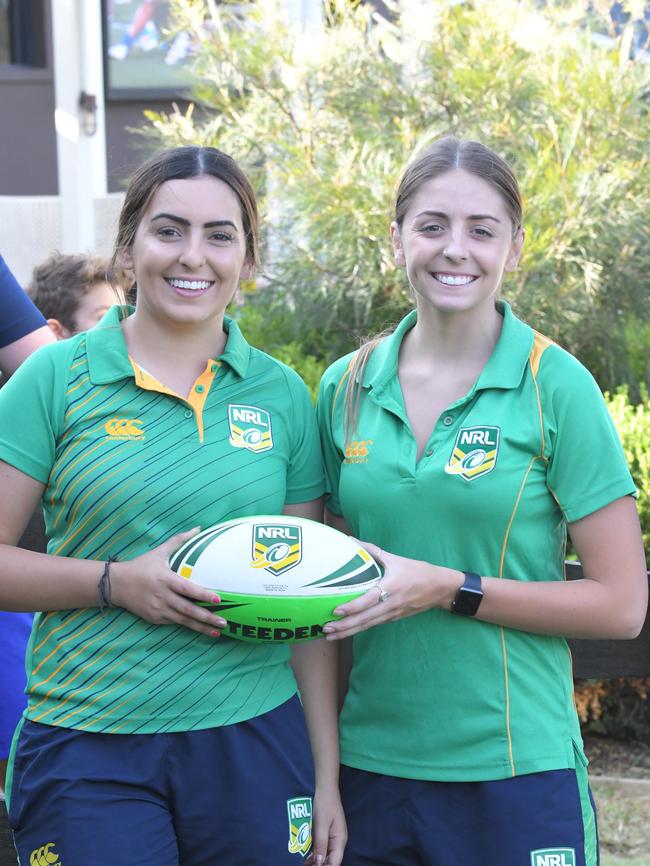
(279, 578)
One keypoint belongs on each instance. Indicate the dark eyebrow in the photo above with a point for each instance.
(475, 217)
(184, 222)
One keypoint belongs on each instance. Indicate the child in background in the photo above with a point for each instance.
(73, 292)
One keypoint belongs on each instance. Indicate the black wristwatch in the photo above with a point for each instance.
(469, 596)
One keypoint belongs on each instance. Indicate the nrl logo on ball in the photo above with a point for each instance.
(277, 547)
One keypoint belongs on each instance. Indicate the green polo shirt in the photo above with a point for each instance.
(126, 464)
(528, 449)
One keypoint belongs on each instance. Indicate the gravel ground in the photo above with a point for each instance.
(608, 757)
(623, 809)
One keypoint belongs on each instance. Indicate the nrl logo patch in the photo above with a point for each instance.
(553, 857)
(276, 547)
(475, 452)
(299, 814)
(250, 428)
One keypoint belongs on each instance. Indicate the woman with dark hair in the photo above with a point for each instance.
(147, 739)
(461, 447)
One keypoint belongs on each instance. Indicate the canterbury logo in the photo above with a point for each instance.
(124, 428)
(357, 451)
(45, 856)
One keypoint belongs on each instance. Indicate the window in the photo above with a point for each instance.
(5, 46)
(22, 33)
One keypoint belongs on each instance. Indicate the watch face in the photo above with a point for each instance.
(469, 596)
(468, 602)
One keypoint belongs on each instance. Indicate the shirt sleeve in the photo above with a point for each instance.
(330, 418)
(31, 406)
(19, 314)
(587, 468)
(305, 471)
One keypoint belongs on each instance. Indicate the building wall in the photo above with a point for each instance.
(124, 150)
(28, 164)
(28, 142)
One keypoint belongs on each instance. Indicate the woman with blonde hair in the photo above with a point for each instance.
(461, 448)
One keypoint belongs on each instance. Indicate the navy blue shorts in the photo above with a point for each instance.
(541, 819)
(239, 795)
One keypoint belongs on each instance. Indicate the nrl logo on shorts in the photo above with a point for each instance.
(276, 547)
(475, 452)
(299, 813)
(250, 428)
(553, 857)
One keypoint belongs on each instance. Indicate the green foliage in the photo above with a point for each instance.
(323, 123)
(633, 425)
(263, 332)
(637, 341)
(618, 707)
(621, 707)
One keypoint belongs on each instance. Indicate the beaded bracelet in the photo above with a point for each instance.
(104, 585)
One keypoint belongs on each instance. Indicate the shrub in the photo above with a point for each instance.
(617, 708)
(621, 707)
(324, 121)
(633, 425)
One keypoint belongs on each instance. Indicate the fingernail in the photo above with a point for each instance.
(338, 612)
(216, 599)
(327, 629)
(221, 623)
(215, 633)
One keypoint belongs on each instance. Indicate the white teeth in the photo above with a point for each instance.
(193, 285)
(450, 280)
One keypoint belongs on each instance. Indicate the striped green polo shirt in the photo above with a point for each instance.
(529, 448)
(126, 464)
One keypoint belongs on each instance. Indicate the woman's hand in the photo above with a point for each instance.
(147, 587)
(329, 833)
(409, 586)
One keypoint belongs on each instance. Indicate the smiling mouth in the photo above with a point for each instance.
(189, 285)
(454, 279)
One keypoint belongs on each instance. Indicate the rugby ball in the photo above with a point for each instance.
(279, 578)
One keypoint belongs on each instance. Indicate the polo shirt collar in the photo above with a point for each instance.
(504, 368)
(108, 358)
(237, 352)
(507, 363)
